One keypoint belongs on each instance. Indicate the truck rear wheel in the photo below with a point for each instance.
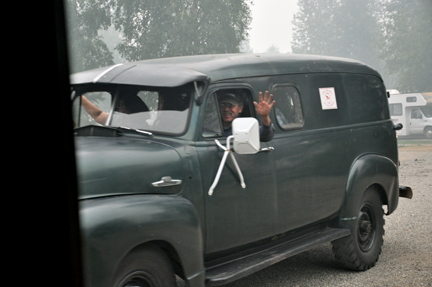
(361, 249)
(145, 267)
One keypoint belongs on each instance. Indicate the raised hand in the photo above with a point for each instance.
(264, 107)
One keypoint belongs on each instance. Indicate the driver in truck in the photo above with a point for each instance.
(231, 105)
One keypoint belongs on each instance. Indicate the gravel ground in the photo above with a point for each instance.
(406, 258)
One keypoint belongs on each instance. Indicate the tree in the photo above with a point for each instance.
(313, 29)
(338, 28)
(273, 49)
(245, 47)
(407, 30)
(154, 29)
(163, 28)
(393, 36)
(85, 18)
(359, 31)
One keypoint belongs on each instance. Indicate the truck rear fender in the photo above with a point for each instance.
(370, 170)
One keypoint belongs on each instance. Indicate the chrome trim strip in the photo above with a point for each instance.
(104, 72)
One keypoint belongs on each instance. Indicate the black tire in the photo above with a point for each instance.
(361, 249)
(145, 267)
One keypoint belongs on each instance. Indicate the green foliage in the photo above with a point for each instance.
(156, 28)
(407, 43)
(163, 28)
(313, 28)
(393, 36)
(84, 19)
(337, 28)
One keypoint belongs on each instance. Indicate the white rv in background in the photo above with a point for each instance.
(413, 111)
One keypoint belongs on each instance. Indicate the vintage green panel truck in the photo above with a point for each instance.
(162, 192)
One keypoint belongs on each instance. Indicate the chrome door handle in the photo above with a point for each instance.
(166, 181)
(266, 149)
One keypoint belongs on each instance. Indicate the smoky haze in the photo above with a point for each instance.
(389, 35)
(393, 36)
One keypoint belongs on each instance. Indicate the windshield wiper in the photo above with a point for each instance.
(140, 131)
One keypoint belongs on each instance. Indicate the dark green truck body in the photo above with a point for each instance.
(301, 190)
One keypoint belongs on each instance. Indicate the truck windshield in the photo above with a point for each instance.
(159, 110)
(427, 110)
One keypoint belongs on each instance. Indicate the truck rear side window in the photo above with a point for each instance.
(289, 114)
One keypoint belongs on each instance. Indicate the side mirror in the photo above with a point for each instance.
(398, 127)
(246, 135)
(246, 141)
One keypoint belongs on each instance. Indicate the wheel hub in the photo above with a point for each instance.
(365, 232)
(365, 226)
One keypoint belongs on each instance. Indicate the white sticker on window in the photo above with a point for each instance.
(328, 98)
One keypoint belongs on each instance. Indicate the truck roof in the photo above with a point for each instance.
(176, 71)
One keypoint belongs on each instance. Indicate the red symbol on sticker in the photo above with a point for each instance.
(328, 95)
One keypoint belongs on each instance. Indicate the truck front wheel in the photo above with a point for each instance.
(361, 249)
(145, 267)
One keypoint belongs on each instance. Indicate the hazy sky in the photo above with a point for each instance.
(271, 24)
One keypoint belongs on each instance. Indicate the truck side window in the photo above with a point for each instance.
(288, 108)
(395, 109)
(212, 118)
(416, 114)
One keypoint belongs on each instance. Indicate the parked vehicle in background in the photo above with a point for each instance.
(163, 192)
(413, 111)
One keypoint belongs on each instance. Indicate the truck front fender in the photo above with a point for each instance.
(366, 171)
(111, 227)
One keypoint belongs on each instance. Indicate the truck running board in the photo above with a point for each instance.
(244, 266)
